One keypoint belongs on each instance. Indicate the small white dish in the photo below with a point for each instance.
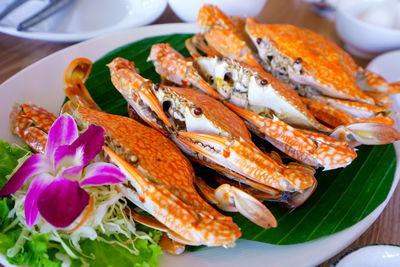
(363, 39)
(370, 256)
(387, 65)
(83, 19)
(188, 10)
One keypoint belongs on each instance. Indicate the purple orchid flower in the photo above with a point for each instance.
(58, 177)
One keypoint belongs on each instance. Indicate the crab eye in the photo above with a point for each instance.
(263, 82)
(298, 60)
(259, 40)
(166, 105)
(197, 111)
(156, 87)
(228, 77)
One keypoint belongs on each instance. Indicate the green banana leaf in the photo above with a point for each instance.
(343, 197)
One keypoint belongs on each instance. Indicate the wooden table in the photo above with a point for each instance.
(17, 53)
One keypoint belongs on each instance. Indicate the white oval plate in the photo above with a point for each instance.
(41, 83)
(83, 19)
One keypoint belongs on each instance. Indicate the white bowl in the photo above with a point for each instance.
(363, 39)
(370, 256)
(187, 10)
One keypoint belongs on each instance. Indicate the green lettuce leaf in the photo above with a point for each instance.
(9, 156)
(39, 250)
(114, 255)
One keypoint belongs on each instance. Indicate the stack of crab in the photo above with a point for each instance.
(301, 93)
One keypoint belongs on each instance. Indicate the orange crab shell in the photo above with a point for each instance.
(210, 16)
(172, 174)
(32, 123)
(321, 58)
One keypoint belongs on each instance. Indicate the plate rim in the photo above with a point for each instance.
(85, 35)
(328, 245)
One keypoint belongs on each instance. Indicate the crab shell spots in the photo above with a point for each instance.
(230, 45)
(39, 116)
(148, 145)
(31, 123)
(210, 16)
(171, 177)
(322, 59)
(173, 72)
(215, 112)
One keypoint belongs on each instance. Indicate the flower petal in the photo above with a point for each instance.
(35, 189)
(62, 202)
(63, 132)
(82, 150)
(91, 141)
(72, 173)
(101, 173)
(35, 164)
(67, 156)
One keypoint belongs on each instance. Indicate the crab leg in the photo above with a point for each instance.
(266, 191)
(139, 89)
(166, 243)
(181, 72)
(224, 36)
(367, 133)
(232, 199)
(32, 123)
(293, 142)
(370, 81)
(381, 98)
(341, 112)
(355, 109)
(260, 195)
(332, 116)
(238, 156)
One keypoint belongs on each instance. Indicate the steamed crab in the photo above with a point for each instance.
(315, 80)
(316, 67)
(211, 134)
(251, 93)
(160, 177)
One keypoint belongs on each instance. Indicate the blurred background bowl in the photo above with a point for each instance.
(364, 39)
(187, 10)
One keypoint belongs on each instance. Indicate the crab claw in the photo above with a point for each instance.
(310, 149)
(276, 129)
(366, 134)
(171, 65)
(171, 246)
(370, 81)
(232, 199)
(75, 75)
(136, 89)
(245, 159)
(79, 69)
